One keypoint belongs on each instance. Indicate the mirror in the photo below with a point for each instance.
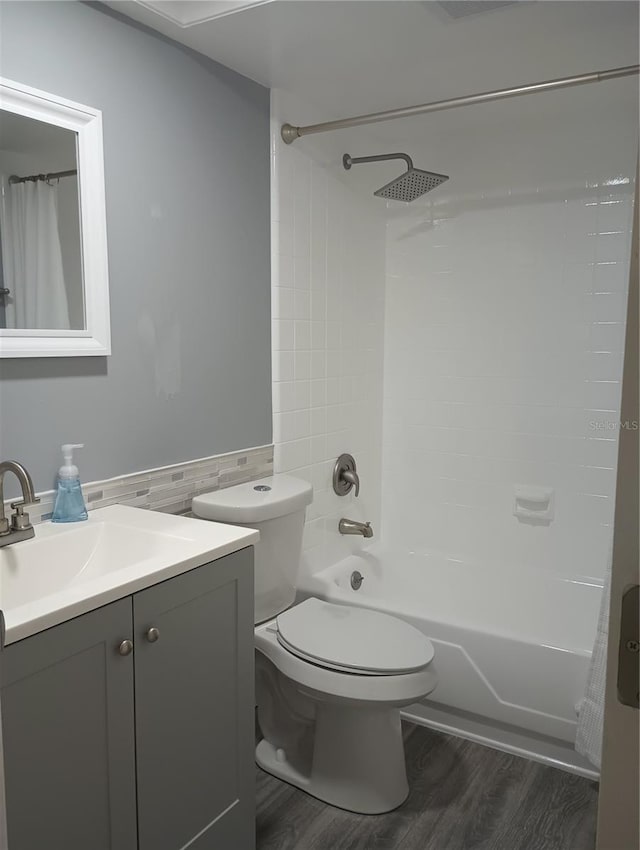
(41, 269)
(53, 264)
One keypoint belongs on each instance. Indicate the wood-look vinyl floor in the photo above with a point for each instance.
(463, 797)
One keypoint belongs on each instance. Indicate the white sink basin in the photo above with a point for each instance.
(67, 570)
(48, 564)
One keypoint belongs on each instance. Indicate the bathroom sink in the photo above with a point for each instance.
(78, 554)
(66, 570)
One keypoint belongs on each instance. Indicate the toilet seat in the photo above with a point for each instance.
(340, 685)
(352, 640)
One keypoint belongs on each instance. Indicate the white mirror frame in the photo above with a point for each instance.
(95, 339)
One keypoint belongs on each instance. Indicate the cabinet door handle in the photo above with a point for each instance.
(153, 635)
(126, 647)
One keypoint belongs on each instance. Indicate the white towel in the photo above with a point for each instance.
(591, 717)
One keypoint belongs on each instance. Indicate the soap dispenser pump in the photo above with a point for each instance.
(69, 505)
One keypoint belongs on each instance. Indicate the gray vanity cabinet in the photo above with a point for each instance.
(195, 709)
(151, 750)
(68, 737)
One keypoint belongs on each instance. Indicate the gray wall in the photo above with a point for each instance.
(186, 144)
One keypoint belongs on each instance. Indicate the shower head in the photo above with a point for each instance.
(410, 185)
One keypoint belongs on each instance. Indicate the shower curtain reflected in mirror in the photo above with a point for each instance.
(32, 256)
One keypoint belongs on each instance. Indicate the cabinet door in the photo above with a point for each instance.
(67, 718)
(195, 709)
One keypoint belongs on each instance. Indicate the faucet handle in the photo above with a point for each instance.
(20, 519)
(345, 476)
(351, 476)
(21, 503)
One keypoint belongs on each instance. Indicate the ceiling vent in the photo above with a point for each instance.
(462, 8)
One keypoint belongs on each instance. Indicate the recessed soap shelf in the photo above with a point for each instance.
(534, 504)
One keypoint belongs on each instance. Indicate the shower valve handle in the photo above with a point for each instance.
(352, 478)
(345, 476)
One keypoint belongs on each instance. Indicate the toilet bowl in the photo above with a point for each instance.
(332, 723)
(330, 679)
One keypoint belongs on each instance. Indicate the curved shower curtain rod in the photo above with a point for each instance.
(290, 133)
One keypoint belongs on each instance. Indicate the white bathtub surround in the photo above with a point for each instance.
(591, 715)
(511, 651)
(328, 319)
(505, 317)
(504, 322)
(168, 488)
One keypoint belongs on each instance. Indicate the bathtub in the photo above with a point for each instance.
(512, 646)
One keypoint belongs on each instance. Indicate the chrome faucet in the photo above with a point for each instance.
(20, 527)
(352, 526)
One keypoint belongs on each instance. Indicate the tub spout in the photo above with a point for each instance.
(352, 526)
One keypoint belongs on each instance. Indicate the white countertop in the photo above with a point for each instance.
(70, 569)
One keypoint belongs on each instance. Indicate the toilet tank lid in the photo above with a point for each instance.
(255, 501)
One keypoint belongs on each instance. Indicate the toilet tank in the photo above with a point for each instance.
(275, 506)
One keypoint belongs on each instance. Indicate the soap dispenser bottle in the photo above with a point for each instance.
(69, 505)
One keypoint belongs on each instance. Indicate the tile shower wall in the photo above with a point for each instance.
(506, 302)
(328, 309)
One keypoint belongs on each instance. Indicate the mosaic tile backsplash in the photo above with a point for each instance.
(170, 488)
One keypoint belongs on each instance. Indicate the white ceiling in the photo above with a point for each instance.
(354, 56)
(337, 58)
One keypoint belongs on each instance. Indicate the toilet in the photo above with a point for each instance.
(330, 679)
